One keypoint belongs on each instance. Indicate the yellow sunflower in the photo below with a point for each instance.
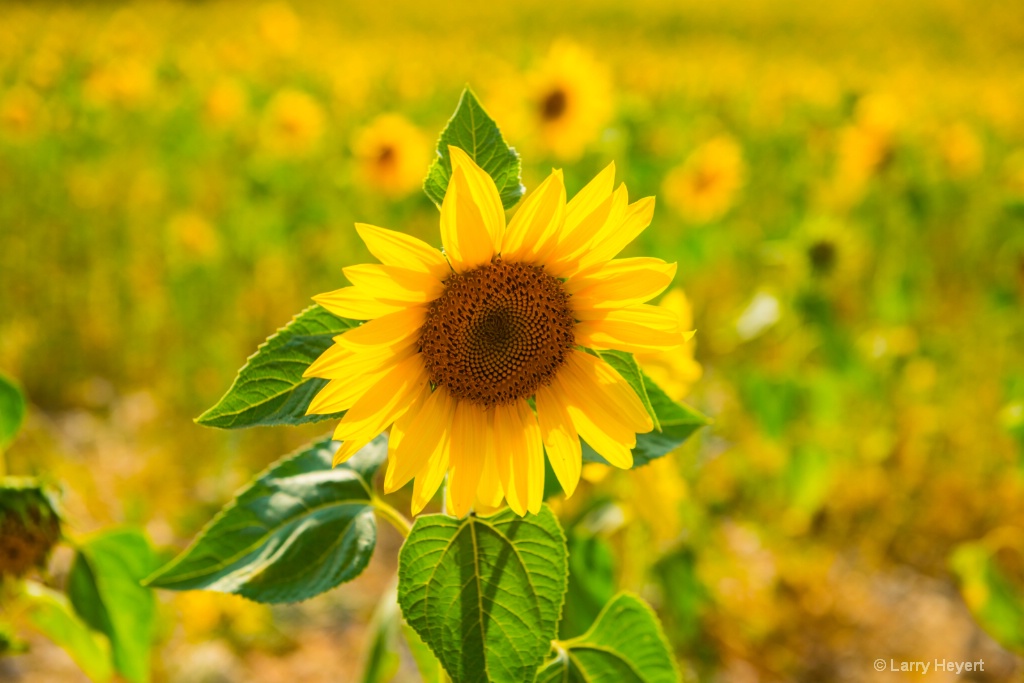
(702, 189)
(474, 355)
(392, 154)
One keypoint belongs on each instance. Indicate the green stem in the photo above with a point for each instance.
(393, 516)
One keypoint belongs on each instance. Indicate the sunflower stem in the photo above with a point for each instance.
(393, 516)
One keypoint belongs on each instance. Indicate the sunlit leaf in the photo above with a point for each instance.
(104, 587)
(51, 614)
(472, 130)
(624, 645)
(12, 410)
(485, 593)
(426, 663)
(991, 596)
(299, 529)
(270, 389)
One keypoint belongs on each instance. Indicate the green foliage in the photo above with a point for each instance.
(485, 593)
(105, 590)
(270, 389)
(301, 528)
(674, 422)
(12, 410)
(685, 597)
(472, 130)
(624, 645)
(51, 614)
(382, 652)
(427, 664)
(990, 594)
(591, 582)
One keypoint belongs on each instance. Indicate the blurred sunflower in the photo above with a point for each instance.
(23, 114)
(279, 27)
(828, 252)
(460, 342)
(226, 103)
(292, 125)
(704, 187)
(392, 153)
(962, 151)
(675, 369)
(570, 96)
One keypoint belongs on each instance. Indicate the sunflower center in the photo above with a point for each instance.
(498, 333)
(822, 255)
(386, 156)
(553, 105)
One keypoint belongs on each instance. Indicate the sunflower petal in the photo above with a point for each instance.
(490, 492)
(389, 330)
(560, 439)
(615, 235)
(467, 241)
(603, 386)
(354, 303)
(637, 329)
(384, 401)
(590, 197)
(429, 479)
(538, 220)
(468, 452)
(621, 283)
(565, 257)
(430, 426)
(483, 192)
(389, 283)
(403, 251)
(343, 362)
(505, 455)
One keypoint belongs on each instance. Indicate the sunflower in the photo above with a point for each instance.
(292, 124)
(477, 356)
(703, 187)
(392, 154)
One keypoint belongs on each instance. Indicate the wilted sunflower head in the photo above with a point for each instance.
(477, 356)
(391, 153)
(703, 188)
(29, 526)
(570, 96)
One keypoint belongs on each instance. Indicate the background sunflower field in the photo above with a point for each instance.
(842, 186)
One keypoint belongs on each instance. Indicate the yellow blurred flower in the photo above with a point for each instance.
(570, 95)
(392, 154)
(226, 103)
(292, 125)
(704, 187)
(23, 114)
(962, 151)
(674, 370)
(126, 83)
(828, 252)
(194, 235)
(204, 614)
(279, 27)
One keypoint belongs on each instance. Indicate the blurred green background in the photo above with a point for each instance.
(841, 185)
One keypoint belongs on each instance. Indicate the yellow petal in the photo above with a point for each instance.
(605, 387)
(590, 197)
(341, 394)
(529, 470)
(621, 283)
(390, 330)
(506, 448)
(560, 438)
(614, 236)
(351, 302)
(403, 251)
(467, 241)
(537, 222)
(401, 426)
(637, 329)
(483, 192)
(389, 283)
(343, 362)
(430, 477)
(574, 243)
(384, 401)
(428, 428)
(468, 451)
(490, 492)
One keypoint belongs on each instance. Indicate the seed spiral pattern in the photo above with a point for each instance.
(497, 333)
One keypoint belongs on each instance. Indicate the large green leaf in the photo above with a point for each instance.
(624, 645)
(299, 529)
(270, 389)
(473, 131)
(105, 589)
(12, 410)
(427, 664)
(674, 422)
(485, 593)
(591, 582)
(50, 613)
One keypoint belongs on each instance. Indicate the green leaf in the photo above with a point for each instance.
(624, 645)
(270, 389)
(485, 593)
(105, 590)
(685, 597)
(678, 422)
(626, 365)
(591, 582)
(990, 594)
(427, 664)
(12, 410)
(473, 131)
(50, 613)
(299, 529)
(382, 652)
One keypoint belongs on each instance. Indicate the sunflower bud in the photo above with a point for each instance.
(29, 525)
